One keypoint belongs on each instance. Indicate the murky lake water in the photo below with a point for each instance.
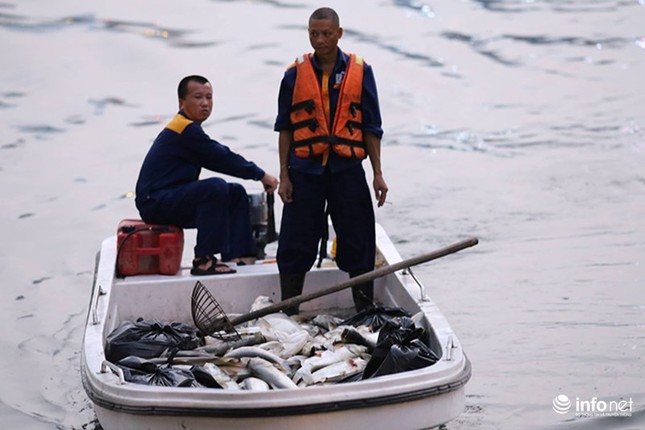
(519, 122)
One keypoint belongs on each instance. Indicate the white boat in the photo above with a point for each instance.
(415, 399)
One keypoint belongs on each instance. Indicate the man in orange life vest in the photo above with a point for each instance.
(328, 122)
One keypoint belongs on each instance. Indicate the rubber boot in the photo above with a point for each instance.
(291, 286)
(362, 294)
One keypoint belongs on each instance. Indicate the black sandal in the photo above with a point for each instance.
(212, 269)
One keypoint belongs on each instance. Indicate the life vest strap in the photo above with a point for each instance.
(312, 124)
(352, 125)
(312, 140)
(307, 105)
(332, 140)
(343, 141)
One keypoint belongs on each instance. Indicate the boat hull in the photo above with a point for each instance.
(412, 414)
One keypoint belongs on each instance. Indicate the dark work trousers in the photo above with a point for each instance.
(218, 209)
(350, 207)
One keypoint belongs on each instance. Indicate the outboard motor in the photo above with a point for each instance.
(262, 221)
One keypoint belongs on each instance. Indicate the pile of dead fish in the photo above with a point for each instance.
(272, 352)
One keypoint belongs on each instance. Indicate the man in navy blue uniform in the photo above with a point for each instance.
(328, 122)
(169, 190)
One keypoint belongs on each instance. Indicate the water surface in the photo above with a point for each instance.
(519, 122)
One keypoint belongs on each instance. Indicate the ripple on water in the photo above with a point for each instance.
(175, 37)
(40, 131)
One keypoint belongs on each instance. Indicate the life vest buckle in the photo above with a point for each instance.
(353, 109)
(309, 106)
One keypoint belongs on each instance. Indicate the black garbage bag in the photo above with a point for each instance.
(376, 317)
(137, 363)
(141, 371)
(166, 377)
(148, 339)
(398, 329)
(400, 349)
(135, 368)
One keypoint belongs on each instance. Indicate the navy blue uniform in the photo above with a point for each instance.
(340, 183)
(169, 191)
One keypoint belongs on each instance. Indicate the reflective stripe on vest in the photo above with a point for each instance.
(311, 132)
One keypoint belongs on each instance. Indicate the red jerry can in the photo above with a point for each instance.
(144, 249)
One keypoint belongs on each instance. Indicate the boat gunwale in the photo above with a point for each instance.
(270, 411)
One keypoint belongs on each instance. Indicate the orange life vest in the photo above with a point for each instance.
(311, 132)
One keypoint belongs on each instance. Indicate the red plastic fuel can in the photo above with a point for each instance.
(148, 248)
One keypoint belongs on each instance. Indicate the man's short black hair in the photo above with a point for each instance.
(182, 90)
(326, 13)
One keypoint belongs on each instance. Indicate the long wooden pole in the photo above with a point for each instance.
(365, 277)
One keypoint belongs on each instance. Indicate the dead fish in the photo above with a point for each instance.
(277, 326)
(273, 346)
(270, 374)
(219, 347)
(289, 346)
(170, 353)
(261, 302)
(327, 322)
(333, 337)
(337, 371)
(221, 377)
(200, 359)
(327, 358)
(293, 344)
(236, 368)
(254, 351)
(311, 346)
(364, 337)
(312, 329)
(255, 384)
(295, 361)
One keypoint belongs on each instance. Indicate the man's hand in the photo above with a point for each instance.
(380, 189)
(270, 183)
(286, 190)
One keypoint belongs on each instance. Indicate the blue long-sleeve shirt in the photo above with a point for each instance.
(369, 106)
(178, 154)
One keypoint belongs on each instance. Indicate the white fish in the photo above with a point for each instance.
(337, 371)
(221, 377)
(270, 374)
(255, 384)
(314, 344)
(361, 336)
(328, 322)
(287, 347)
(295, 362)
(261, 302)
(254, 351)
(294, 343)
(274, 346)
(219, 347)
(312, 329)
(327, 340)
(326, 358)
(277, 326)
